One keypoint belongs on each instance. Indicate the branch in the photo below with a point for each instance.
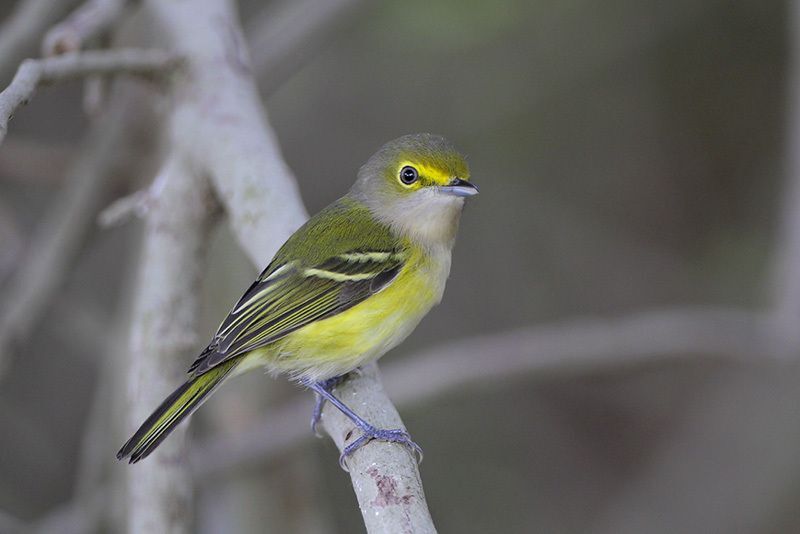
(284, 36)
(35, 72)
(87, 22)
(568, 347)
(385, 477)
(163, 323)
(738, 445)
(220, 125)
(59, 236)
(21, 31)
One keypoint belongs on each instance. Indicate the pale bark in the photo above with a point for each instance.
(89, 21)
(35, 72)
(162, 336)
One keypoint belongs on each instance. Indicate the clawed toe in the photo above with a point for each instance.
(394, 435)
(369, 432)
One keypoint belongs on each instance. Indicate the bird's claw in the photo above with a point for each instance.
(394, 435)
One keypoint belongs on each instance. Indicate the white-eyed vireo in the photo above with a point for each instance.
(349, 285)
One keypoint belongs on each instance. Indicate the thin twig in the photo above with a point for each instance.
(21, 31)
(35, 72)
(88, 21)
(286, 35)
(134, 205)
(58, 238)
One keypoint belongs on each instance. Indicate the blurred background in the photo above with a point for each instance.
(633, 163)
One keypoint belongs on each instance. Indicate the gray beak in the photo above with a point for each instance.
(459, 188)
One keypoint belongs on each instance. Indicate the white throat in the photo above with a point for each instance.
(426, 216)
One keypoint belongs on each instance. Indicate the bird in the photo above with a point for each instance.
(349, 285)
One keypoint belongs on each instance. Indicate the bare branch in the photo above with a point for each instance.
(21, 31)
(662, 498)
(221, 126)
(164, 317)
(88, 21)
(35, 72)
(567, 347)
(134, 205)
(59, 237)
(786, 274)
(386, 477)
(285, 35)
(571, 346)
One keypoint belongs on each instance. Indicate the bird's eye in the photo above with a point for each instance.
(408, 175)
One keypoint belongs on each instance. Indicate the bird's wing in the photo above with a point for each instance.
(293, 291)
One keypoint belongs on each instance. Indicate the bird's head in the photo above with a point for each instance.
(417, 184)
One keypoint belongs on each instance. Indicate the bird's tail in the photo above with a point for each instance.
(175, 408)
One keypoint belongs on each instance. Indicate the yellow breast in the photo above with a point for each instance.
(338, 344)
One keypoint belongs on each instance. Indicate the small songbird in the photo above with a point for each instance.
(344, 289)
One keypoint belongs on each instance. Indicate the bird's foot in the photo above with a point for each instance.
(394, 435)
(369, 432)
(328, 386)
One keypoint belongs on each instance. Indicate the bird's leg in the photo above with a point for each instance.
(370, 432)
(328, 386)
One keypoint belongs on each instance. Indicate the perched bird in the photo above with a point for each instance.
(345, 288)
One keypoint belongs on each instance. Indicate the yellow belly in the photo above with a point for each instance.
(338, 344)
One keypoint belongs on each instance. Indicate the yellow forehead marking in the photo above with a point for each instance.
(436, 175)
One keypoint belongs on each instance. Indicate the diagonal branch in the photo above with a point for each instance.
(566, 347)
(59, 236)
(85, 23)
(21, 31)
(221, 127)
(286, 35)
(35, 72)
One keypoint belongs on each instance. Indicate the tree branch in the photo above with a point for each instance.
(87, 22)
(386, 477)
(59, 236)
(163, 323)
(744, 431)
(285, 35)
(220, 125)
(35, 72)
(21, 31)
(567, 347)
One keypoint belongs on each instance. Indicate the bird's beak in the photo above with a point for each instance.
(459, 188)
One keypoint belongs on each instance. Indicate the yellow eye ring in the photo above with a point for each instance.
(408, 175)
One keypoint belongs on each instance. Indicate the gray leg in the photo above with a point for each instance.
(328, 385)
(369, 432)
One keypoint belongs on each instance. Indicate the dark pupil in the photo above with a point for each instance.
(409, 175)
